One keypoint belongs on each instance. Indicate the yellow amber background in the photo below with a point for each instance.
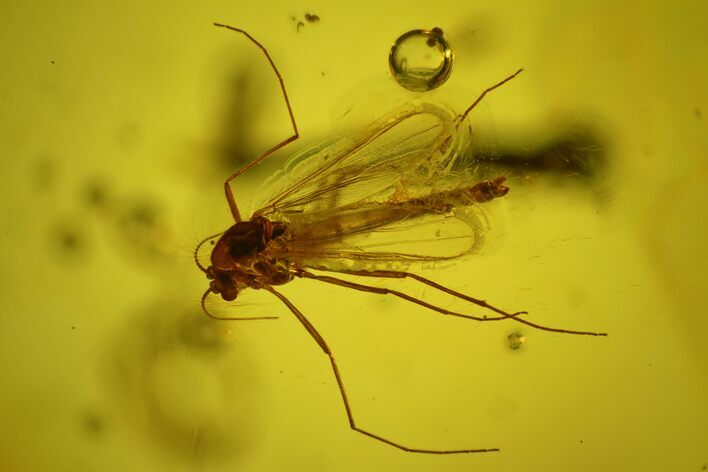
(107, 363)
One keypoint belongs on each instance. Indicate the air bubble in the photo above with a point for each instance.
(421, 60)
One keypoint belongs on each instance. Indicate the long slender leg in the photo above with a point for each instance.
(396, 293)
(227, 187)
(462, 117)
(393, 274)
(325, 348)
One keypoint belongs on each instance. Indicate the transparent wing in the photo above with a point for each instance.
(411, 146)
(387, 197)
(385, 235)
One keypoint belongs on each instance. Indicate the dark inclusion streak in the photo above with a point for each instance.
(580, 156)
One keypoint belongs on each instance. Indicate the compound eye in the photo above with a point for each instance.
(224, 286)
(229, 291)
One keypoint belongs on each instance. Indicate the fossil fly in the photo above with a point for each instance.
(368, 207)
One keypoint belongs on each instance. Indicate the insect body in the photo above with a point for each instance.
(368, 206)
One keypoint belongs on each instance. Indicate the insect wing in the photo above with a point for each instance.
(379, 200)
(412, 145)
(381, 236)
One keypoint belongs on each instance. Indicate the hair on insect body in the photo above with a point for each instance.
(354, 209)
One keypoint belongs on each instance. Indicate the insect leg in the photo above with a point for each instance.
(338, 376)
(404, 296)
(227, 186)
(462, 117)
(394, 274)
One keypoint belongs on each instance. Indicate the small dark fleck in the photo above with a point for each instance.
(52, 62)
(581, 441)
(300, 24)
(73, 327)
(312, 18)
(141, 214)
(96, 193)
(92, 423)
(699, 115)
(68, 241)
(432, 39)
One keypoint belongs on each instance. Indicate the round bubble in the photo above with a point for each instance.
(421, 60)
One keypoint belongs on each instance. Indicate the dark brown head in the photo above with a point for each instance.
(235, 256)
(237, 246)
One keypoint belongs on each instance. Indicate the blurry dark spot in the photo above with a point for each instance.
(68, 241)
(73, 327)
(581, 441)
(52, 62)
(576, 153)
(141, 231)
(197, 332)
(92, 423)
(136, 221)
(139, 215)
(699, 115)
(43, 173)
(309, 17)
(242, 111)
(95, 193)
